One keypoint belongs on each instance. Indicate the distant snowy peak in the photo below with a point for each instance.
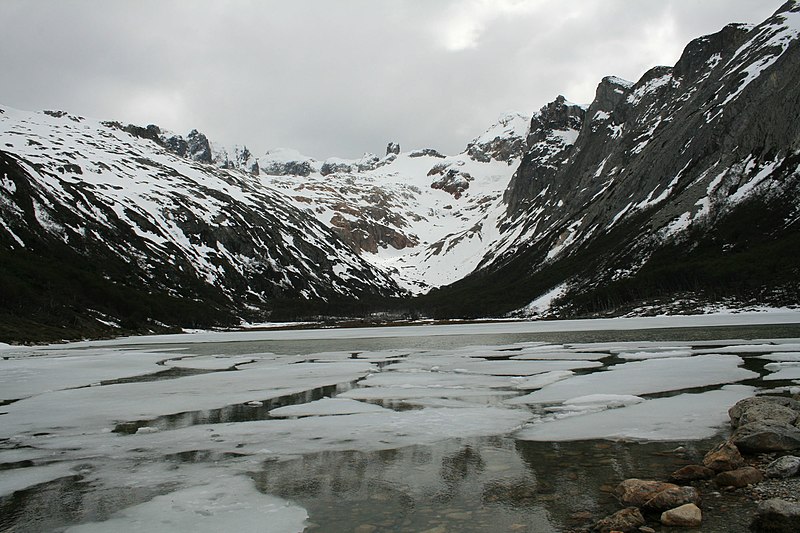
(503, 141)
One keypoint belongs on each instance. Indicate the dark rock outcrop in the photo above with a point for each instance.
(766, 436)
(776, 516)
(652, 193)
(287, 168)
(452, 180)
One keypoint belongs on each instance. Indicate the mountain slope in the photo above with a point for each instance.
(421, 216)
(674, 185)
(89, 210)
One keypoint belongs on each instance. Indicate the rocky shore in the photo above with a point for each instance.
(759, 464)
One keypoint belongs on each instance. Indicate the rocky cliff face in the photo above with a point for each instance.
(681, 156)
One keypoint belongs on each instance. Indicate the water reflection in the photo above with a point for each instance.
(478, 485)
(246, 412)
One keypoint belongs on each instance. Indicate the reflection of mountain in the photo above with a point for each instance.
(668, 193)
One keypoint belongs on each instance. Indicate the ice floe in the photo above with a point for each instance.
(326, 407)
(686, 416)
(225, 503)
(783, 370)
(646, 377)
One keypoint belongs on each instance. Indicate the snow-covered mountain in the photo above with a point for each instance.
(420, 216)
(89, 209)
(680, 186)
(683, 183)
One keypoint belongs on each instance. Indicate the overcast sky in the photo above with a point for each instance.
(336, 77)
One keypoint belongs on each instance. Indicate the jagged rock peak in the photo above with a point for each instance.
(610, 93)
(199, 147)
(709, 50)
(393, 148)
(503, 141)
(558, 115)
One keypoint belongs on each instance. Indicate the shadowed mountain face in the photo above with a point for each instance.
(662, 195)
(683, 183)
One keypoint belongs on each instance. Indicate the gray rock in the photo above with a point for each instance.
(688, 515)
(783, 467)
(776, 516)
(769, 412)
(766, 437)
(764, 406)
(426, 152)
(393, 148)
(331, 168)
(289, 168)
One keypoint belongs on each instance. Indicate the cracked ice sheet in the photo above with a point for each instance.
(224, 503)
(779, 346)
(782, 357)
(327, 407)
(16, 479)
(468, 365)
(783, 370)
(542, 380)
(25, 376)
(655, 354)
(217, 362)
(97, 409)
(682, 417)
(645, 377)
(287, 438)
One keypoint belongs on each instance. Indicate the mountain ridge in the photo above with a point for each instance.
(680, 187)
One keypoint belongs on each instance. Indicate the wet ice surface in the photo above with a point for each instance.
(447, 417)
(226, 503)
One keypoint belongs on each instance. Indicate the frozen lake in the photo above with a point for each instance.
(470, 427)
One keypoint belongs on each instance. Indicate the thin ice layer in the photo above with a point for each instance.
(96, 408)
(682, 417)
(21, 377)
(225, 503)
(326, 407)
(646, 377)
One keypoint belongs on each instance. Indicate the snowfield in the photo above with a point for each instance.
(99, 411)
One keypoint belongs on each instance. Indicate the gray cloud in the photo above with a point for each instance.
(336, 77)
